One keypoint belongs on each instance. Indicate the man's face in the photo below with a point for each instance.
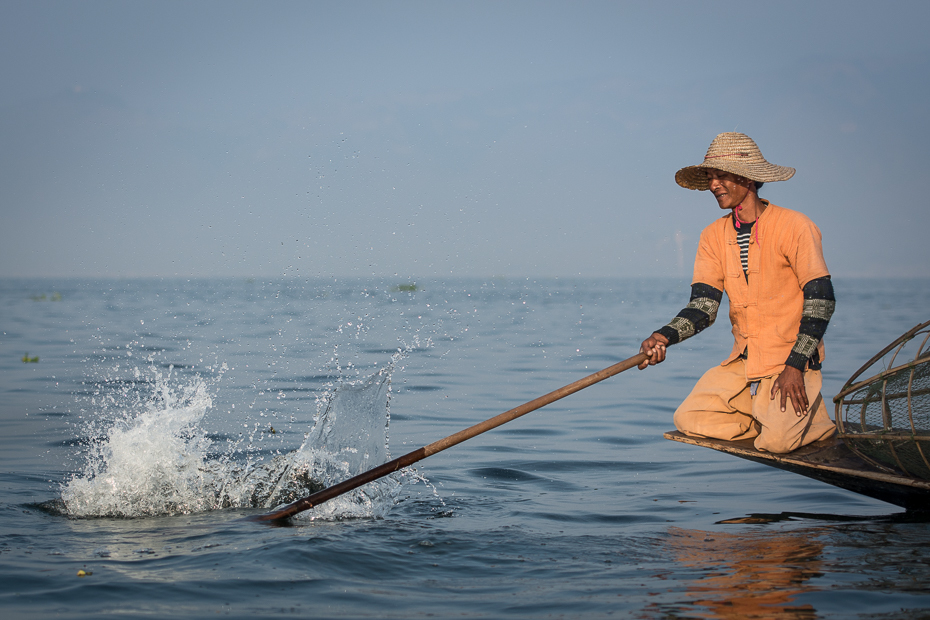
(729, 189)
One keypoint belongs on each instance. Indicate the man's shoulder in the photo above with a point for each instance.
(718, 226)
(788, 216)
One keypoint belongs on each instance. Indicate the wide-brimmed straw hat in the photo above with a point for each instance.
(735, 153)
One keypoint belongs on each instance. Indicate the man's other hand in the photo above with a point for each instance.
(791, 385)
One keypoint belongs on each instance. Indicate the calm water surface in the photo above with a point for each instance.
(580, 509)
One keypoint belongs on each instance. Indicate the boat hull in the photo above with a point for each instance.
(832, 462)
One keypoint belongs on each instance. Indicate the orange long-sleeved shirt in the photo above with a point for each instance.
(785, 253)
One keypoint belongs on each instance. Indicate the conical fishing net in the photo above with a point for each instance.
(886, 419)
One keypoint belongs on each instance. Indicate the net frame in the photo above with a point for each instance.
(886, 446)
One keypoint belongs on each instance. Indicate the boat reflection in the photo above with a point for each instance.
(746, 575)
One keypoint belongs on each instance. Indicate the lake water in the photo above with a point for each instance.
(173, 408)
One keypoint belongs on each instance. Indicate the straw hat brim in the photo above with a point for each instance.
(695, 177)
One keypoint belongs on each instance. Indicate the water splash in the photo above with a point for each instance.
(157, 458)
(343, 443)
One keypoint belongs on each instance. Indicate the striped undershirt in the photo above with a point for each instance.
(743, 234)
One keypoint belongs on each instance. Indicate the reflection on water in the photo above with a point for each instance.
(747, 575)
(911, 516)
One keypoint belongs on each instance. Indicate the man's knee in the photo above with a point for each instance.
(715, 424)
(685, 418)
(777, 444)
(784, 431)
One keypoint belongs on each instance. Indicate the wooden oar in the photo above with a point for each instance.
(438, 446)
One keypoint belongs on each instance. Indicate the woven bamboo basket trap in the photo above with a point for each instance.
(885, 419)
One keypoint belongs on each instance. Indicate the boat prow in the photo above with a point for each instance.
(829, 461)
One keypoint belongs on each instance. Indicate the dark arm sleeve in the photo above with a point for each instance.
(698, 315)
(819, 303)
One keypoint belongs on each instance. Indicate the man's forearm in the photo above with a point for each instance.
(819, 303)
(698, 315)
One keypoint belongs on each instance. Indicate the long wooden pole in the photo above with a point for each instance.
(447, 442)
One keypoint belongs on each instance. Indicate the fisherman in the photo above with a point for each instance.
(769, 261)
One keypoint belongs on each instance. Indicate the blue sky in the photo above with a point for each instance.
(434, 139)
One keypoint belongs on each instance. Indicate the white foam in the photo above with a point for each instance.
(149, 462)
(154, 459)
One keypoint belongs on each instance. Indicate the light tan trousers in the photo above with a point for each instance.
(720, 407)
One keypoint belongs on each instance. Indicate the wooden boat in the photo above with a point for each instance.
(882, 447)
(830, 461)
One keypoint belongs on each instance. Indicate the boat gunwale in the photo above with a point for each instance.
(797, 459)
